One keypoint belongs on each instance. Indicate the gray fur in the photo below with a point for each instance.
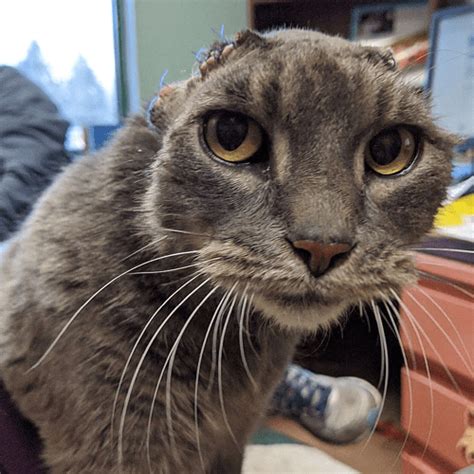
(320, 100)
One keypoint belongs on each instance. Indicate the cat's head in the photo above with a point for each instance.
(304, 166)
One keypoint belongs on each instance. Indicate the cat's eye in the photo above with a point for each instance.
(392, 151)
(233, 137)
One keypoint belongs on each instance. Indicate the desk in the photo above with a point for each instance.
(442, 409)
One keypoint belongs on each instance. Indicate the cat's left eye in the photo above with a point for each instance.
(392, 151)
(233, 137)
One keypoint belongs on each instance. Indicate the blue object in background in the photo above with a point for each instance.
(100, 134)
(462, 171)
(3, 248)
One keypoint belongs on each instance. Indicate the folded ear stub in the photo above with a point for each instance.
(389, 59)
(250, 38)
(155, 107)
(218, 54)
(221, 51)
(152, 111)
(165, 91)
(227, 50)
(383, 56)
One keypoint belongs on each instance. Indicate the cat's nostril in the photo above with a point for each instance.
(320, 257)
(305, 255)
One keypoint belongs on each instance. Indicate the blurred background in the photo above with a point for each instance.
(101, 60)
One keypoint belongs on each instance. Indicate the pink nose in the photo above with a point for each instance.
(318, 256)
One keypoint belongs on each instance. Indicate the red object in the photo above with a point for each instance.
(437, 322)
(390, 431)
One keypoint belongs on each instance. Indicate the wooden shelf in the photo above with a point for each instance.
(329, 16)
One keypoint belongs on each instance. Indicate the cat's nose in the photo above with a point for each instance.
(318, 256)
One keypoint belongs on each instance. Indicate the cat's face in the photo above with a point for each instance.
(306, 167)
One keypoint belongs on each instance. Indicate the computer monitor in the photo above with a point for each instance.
(451, 70)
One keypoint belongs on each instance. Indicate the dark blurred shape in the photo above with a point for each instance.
(20, 445)
(329, 16)
(32, 150)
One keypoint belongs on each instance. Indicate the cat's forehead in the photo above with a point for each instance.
(312, 43)
(301, 76)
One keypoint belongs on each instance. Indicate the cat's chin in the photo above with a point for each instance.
(298, 316)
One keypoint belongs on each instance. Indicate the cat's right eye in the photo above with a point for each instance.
(392, 151)
(233, 137)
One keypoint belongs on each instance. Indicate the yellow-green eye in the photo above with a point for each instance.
(392, 151)
(232, 136)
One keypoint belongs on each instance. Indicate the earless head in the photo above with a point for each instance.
(304, 167)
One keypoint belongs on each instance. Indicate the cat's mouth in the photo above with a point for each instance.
(284, 291)
(307, 312)
(286, 294)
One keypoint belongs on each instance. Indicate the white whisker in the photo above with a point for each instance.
(442, 250)
(137, 342)
(435, 264)
(140, 363)
(405, 361)
(433, 348)
(364, 314)
(247, 325)
(219, 370)
(418, 329)
(241, 341)
(441, 329)
(382, 347)
(405, 331)
(143, 248)
(178, 231)
(170, 361)
(383, 342)
(214, 340)
(446, 282)
(425, 71)
(76, 314)
(168, 270)
(198, 369)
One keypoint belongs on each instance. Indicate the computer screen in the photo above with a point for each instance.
(451, 70)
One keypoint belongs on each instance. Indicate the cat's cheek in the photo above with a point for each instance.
(402, 206)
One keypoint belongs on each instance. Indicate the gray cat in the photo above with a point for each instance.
(260, 200)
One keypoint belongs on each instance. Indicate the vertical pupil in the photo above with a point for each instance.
(386, 147)
(231, 131)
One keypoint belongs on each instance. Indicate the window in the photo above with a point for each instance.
(68, 48)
